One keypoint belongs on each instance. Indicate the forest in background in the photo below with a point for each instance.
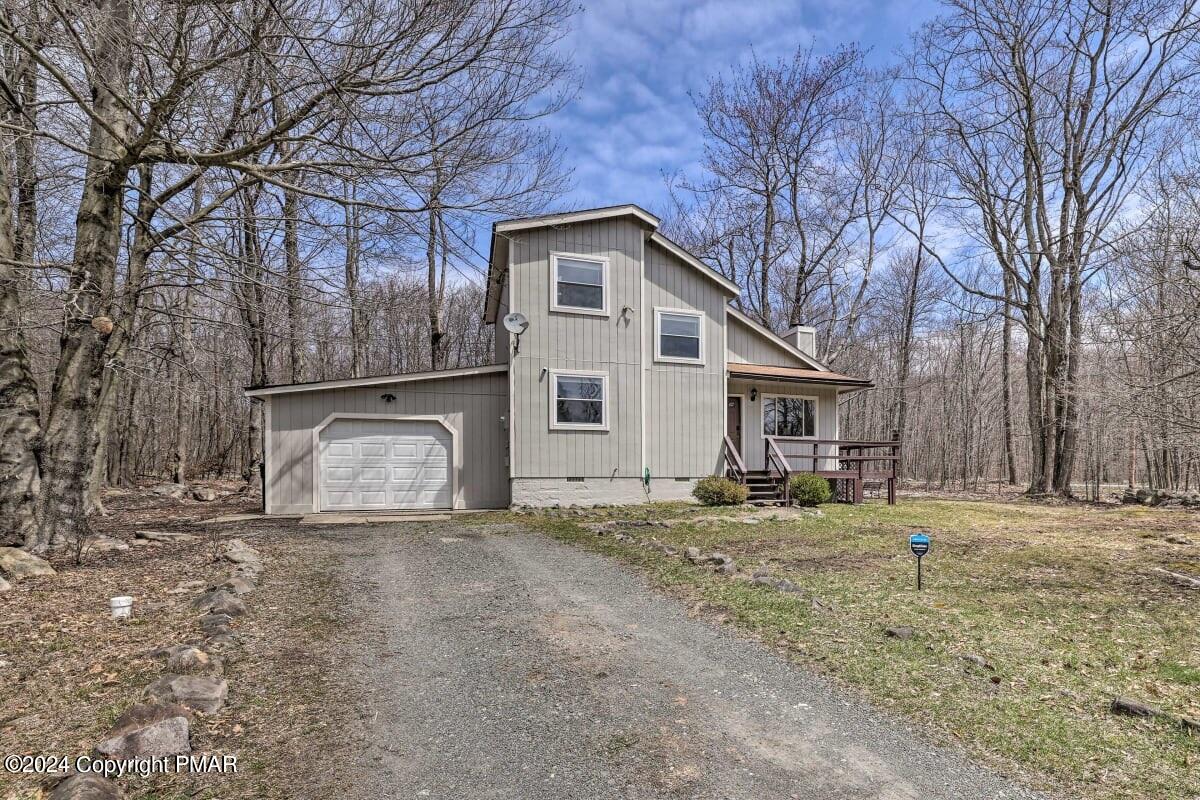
(998, 228)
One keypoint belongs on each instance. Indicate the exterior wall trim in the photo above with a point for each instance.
(456, 446)
(268, 461)
(379, 380)
(744, 404)
(554, 375)
(683, 312)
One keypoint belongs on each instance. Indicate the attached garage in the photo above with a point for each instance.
(381, 464)
(425, 441)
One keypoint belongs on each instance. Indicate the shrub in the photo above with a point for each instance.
(717, 491)
(809, 490)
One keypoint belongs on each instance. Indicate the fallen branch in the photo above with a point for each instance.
(1178, 577)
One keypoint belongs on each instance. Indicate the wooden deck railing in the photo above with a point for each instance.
(734, 466)
(777, 462)
(846, 460)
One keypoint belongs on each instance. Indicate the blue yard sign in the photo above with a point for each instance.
(918, 543)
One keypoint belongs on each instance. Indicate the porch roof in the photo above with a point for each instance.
(768, 372)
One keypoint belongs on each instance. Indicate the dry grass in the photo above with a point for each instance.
(68, 670)
(1062, 601)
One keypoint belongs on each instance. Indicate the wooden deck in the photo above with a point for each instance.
(849, 465)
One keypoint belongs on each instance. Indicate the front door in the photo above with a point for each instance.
(733, 421)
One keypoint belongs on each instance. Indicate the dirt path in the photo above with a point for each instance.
(501, 664)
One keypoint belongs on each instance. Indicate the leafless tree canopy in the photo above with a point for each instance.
(999, 228)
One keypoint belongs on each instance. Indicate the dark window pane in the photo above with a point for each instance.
(794, 417)
(769, 417)
(679, 325)
(578, 295)
(571, 271)
(580, 388)
(580, 412)
(679, 346)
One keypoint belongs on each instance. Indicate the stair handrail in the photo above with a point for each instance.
(733, 461)
(776, 458)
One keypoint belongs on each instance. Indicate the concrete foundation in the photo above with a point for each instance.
(550, 492)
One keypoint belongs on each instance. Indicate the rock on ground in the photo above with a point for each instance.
(1132, 707)
(18, 564)
(220, 602)
(187, 658)
(176, 491)
(84, 786)
(204, 494)
(242, 554)
(148, 730)
(106, 544)
(196, 692)
(165, 537)
(4, 585)
(899, 632)
(238, 584)
(215, 624)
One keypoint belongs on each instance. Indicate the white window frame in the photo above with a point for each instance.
(762, 420)
(681, 312)
(605, 292)
(555, 425)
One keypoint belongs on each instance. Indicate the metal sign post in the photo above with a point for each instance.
(918, 543)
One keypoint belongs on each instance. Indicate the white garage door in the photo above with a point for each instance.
(368, 464)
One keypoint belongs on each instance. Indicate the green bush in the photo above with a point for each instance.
(717, 491)
(809, 490)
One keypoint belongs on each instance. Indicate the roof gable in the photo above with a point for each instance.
(769, 336)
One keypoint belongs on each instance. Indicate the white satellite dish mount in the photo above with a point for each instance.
(516, 323)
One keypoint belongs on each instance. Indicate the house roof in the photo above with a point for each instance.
(377, 380)
(499, 255)
(794, 374)
(775, 339)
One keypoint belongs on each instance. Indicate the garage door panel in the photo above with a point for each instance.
(385, 464)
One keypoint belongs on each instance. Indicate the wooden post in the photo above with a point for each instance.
(895, 467)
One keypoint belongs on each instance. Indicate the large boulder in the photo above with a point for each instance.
(197, 692)
(148, 730)
(17, 564)
(85, 786)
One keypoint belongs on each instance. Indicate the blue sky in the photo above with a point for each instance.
(633, 119)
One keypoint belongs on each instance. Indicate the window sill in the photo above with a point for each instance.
(567, 426)
(587, 312)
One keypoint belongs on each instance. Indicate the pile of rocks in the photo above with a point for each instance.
(1161, 498)
(194, 682)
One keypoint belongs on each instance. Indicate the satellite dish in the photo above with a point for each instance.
(516, 322)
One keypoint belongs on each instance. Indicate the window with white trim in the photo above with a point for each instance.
(579, 400)
(789, 416)
(678, 336)
(578, 283)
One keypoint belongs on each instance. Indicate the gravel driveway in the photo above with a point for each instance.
(502, 664)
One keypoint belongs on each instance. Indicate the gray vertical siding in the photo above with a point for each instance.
(684, 402)
(748, 346)
(753, 443)
(473, 405)
(564, 341)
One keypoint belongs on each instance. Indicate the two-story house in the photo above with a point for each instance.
(626, 376)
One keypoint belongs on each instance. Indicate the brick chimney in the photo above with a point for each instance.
(803, 338)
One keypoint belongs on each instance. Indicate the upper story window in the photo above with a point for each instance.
(579, 400)
(578, 284)
(678, 335)
(790, 416)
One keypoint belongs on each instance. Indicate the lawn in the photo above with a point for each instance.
(1033, 618)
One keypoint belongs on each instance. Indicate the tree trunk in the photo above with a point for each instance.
(1006, 427)
(20, 427)
(70, 427)
(357, 356)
